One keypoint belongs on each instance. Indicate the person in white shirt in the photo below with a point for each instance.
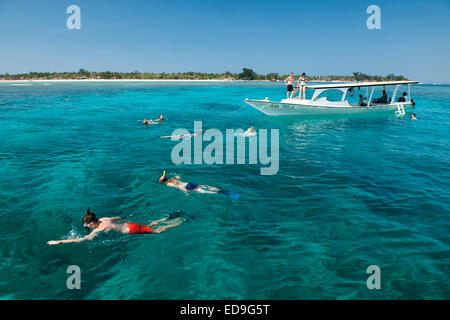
(403, 98)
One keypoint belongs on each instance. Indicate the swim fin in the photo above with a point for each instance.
(182, 215)
(232, 195)
(176, 214)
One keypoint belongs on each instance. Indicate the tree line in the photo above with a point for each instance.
(246, 74)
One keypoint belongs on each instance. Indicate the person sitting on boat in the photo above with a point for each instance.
(403, 98)
(362, 101)
(302, 82)
(90, 221)
(382, 99)
(186, 186)
(290, 88)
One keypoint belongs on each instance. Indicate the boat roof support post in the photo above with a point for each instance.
(395, 93)
(344, 94)
(317, 92)
(409, 93)
(371, 94)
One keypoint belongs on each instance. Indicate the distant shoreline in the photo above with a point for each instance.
(151, 80)
(246, 75)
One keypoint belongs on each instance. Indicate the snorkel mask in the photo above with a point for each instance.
(87, 226)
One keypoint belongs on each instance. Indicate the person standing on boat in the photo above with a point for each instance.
(302, 82)
(290, 88)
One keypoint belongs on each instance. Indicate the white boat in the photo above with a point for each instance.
(319, 103)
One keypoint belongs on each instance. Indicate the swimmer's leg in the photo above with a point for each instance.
(157, 221)
(204, 189)
(174, 223)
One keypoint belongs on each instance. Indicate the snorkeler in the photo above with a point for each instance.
(250, 132)
(154, 121)
(186, 186)
(182, 136)
(90, 221)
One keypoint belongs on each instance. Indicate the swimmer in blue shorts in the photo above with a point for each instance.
(187, 186)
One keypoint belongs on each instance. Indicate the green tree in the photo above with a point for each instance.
(272, 75)
(247, 74)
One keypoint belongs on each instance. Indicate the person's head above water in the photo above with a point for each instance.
(163, 179)
(161, 117)
(90, 219)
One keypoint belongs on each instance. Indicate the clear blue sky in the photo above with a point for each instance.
(316, 37)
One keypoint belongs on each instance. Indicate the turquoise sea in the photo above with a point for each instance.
(351, 192)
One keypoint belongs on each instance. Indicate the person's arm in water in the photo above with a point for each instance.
(90, 236)
(114, 219)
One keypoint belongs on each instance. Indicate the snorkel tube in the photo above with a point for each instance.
(163, 179)
(85, 225)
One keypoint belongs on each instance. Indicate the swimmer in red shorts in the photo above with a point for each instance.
(90, 221)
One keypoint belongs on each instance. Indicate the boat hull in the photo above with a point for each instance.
(273, 108)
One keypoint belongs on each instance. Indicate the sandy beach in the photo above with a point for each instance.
(120, 80)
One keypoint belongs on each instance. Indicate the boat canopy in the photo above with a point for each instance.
(359, 84)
